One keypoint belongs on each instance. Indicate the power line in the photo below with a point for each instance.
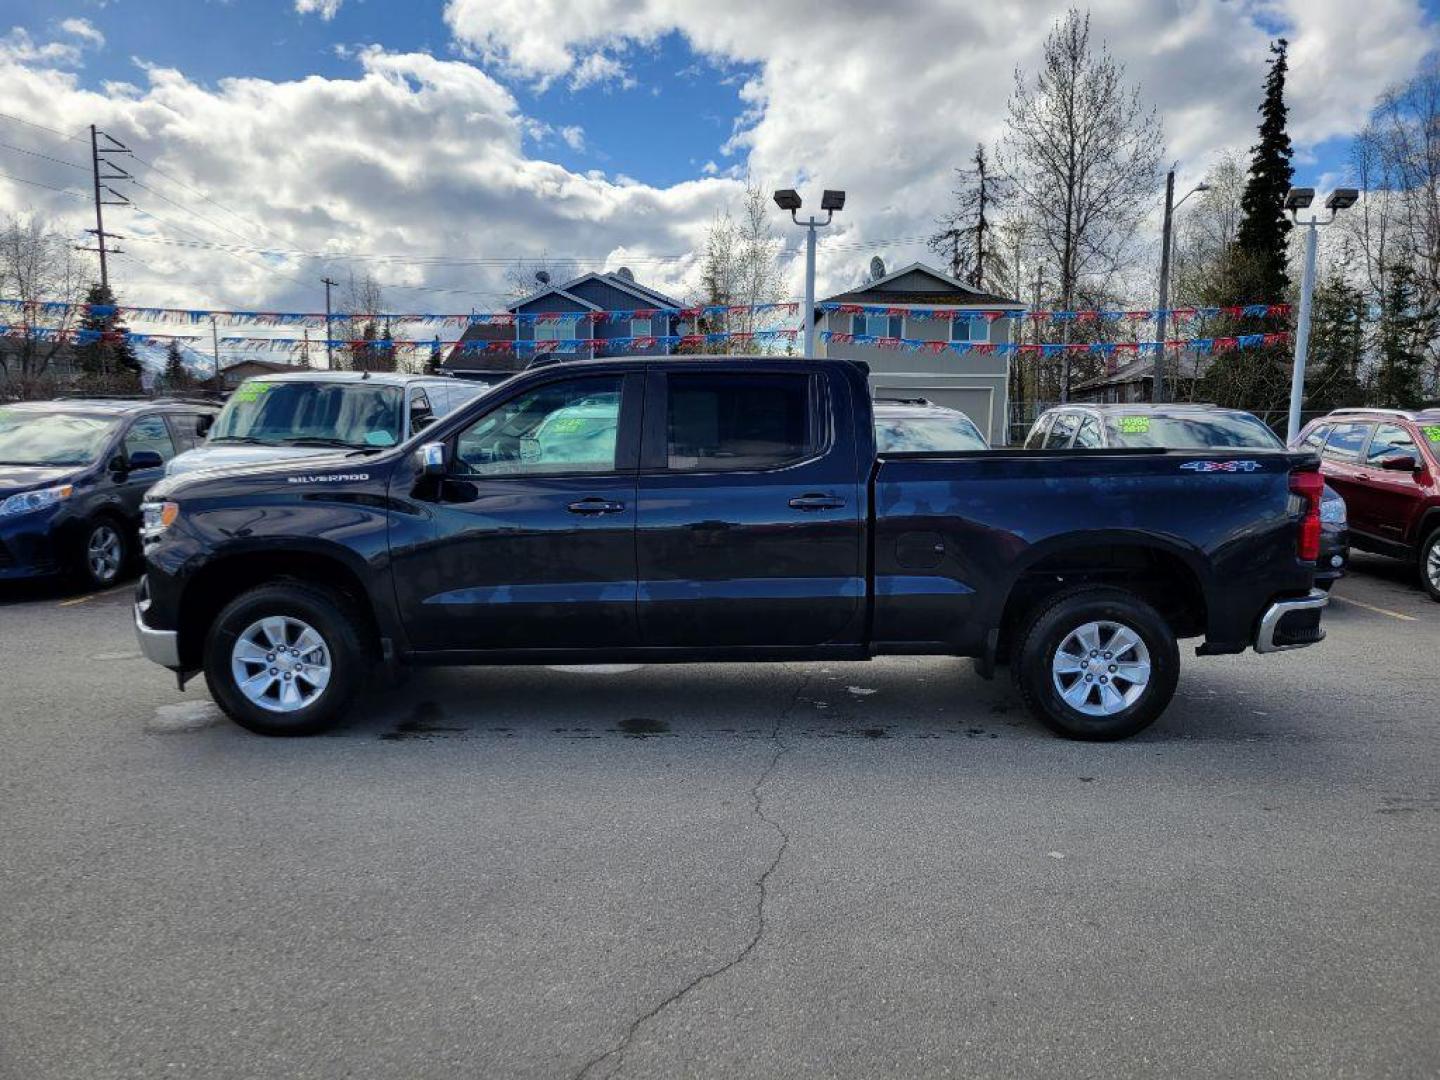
(47, 157)
(52, 187)
(41, 127)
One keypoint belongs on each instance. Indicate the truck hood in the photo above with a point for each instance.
(17, 478)
(328, 463)
(220, 457)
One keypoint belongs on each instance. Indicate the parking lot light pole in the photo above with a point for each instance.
(789, 199)
(1158, 390)
(1297, 199)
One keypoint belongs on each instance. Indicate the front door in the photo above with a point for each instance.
(530, 538)
(146, 433)
(751, 522)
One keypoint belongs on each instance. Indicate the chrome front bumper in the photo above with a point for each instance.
(1272, 636)
(161, 646)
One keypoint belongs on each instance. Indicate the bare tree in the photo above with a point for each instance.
(37, 262)
(1083, 153)
(741, 266)
(1206, 234)
(524, 278)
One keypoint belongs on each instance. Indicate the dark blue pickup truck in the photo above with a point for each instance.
(694, 509)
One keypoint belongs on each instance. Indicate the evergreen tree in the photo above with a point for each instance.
(1262, 241)
(1337, 346)
(1403, 332)
(177, 376)
(112, 355)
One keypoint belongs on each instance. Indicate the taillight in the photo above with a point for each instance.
(1309, 486)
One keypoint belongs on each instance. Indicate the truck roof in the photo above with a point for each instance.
(379, 378)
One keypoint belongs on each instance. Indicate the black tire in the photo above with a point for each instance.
(1429, 564)
(339, 627)
(87, 567)
(1051, 626)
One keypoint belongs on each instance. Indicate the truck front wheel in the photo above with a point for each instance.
(1096, 663)
(285, 658)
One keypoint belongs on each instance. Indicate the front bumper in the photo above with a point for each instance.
(161, 646)
(1292, 624)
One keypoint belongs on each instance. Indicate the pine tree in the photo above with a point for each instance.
(1403, 332)
(1337, 346)
(964, 237)
(177, 376)
(1262, 241)
(111, 355)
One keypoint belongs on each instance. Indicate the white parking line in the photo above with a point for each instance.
(1377, 610)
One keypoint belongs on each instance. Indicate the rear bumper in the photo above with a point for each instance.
(161, 646)
(1292, 624)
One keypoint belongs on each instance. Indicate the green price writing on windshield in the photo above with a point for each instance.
(1134, 425)
(1432, 432)
(252, 391)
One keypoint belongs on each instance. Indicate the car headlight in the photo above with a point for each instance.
(1332, 511)
(29, 501)
(156, 517)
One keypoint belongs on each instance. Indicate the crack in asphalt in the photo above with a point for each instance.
(761, 885)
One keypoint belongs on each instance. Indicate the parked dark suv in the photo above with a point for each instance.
(1181, 426)
(1386, 463)
(72, 474)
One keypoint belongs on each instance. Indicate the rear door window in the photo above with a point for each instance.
(1346, 441)
(732, 421)
(1036, 438)
(1062, 431)
(187, 430)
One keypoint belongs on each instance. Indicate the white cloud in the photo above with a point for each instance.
(18, 47)
(600, 69)
(326, 9)
(85, 30)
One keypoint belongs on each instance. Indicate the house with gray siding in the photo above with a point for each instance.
(581, 296)
(975, 383)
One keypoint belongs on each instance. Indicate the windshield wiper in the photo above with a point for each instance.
(318, 440)
(240, 438)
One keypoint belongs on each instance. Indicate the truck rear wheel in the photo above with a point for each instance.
(285, 658)
(1097, 664)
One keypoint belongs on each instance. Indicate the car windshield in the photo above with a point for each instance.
(1199, 432)
(913, 434)
(280, 413)
(29, 438)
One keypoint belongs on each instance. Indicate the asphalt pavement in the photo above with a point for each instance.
(855, 870)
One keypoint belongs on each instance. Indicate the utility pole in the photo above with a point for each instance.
(117, 199)
(215, 343)
(1157, 392)
(329, 362)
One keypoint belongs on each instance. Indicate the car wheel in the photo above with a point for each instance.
(1096, 664)
(1430, 564)
(286, 658)
(105, 552)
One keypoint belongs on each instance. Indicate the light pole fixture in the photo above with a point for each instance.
(1157, 386)
(1297, 199)
(830, 201)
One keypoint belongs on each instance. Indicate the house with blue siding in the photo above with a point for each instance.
(577, 303)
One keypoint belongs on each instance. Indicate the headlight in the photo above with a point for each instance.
(1332, 511)
(29, 501)
(157, 517)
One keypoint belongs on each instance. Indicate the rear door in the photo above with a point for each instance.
(1344, 471)
(752, 520)
(531, 536)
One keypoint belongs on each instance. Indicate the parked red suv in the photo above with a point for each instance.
(1386, 464)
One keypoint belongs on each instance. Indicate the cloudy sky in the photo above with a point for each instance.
(431, 141)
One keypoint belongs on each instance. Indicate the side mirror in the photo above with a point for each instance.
(145, 459)
(204, 424)
(421, 422)
(432, 458)
(1400, 463)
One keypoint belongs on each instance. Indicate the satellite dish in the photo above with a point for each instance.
(877, 268)
(625, 274)
(542, 276)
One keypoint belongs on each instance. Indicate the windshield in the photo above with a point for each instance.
(28, 438)
(1199, 432)
(913, 434)
(352, 414)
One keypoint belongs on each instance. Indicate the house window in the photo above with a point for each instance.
(969, 330)
(879, 325)
(555, 330)
(641, 327)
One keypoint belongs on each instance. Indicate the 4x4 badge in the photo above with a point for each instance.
(1221, 466)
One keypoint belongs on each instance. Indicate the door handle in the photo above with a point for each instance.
(595, 506)
(817, 502)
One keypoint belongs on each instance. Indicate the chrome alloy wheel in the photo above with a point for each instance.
(104, 554)
(280, 663)
(1432, 565)
(1101, 668)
